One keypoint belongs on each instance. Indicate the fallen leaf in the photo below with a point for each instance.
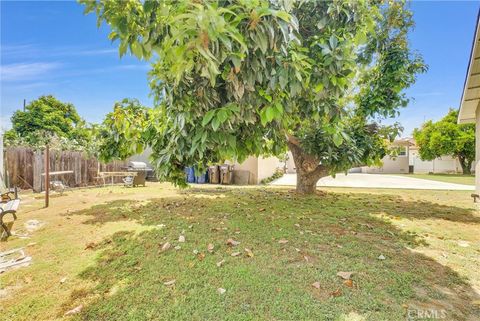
(221, 290)
(90, 245)
(381, 257)
(181, 239)
(166, 246)
(232, 242)
(210, 247)
(63, 280)
(316, 285)
(178, 247)
(76, 310)
(345, 275)
(235, 254)
(348, 283)
(219, 264)
(169, 283)
(283, 241)
(336, 293)
(201, 256)
(249, 252)
(261, 209)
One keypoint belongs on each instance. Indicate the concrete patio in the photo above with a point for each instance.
(376, 181)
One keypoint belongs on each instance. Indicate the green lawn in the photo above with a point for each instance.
(121, 274)
(448, 178)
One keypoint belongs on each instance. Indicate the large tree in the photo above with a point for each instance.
(47, 117)
(447, 137)
(234, 78)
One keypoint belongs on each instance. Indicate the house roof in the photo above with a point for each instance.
(471, 88)
(403, 142)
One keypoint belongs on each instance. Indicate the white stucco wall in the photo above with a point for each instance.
(250, 165)
(477, 150)
(444, 164)
(267, 167)
(397, 165)
(291, 169)
(259, 167)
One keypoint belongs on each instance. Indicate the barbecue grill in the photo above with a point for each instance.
(142, 172)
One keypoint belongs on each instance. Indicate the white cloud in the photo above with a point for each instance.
(5, 123)
(19, 50)
(15, 51)
(26, 71)
(94, 52)
(429, 94)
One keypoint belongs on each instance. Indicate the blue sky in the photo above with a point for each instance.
(52, 48)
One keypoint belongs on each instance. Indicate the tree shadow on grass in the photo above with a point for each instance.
(328, 234)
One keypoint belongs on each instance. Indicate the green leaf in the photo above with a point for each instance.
(319, 87)
(215, 123)
(222, 115)
(263, 117)
(270, 113)
(136, 49)
(282, 15)
(333, 42)
(337, 139)
(208, 116)
(279, 108)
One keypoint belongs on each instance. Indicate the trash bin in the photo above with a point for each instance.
(202, 179)
(213, 175)
(190, 175)
(226, 176)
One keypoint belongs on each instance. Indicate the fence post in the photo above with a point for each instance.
(37, 171)
(47, 175)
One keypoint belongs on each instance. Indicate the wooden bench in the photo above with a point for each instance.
(7, 195)
(10, 207)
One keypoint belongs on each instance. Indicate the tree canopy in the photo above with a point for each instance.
(237, 78)
(124, 130)
(447, 137)
(44, 118)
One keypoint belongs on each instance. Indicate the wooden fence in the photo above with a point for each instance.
(24, 167)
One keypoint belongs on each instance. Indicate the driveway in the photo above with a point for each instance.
(376, 181)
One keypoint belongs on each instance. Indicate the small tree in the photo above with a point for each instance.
(239, 78)
(446, 137)
(125, 130)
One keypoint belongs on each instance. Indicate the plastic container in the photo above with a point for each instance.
(190, 175)
(214, 175)
(202, 179)
(226, 174)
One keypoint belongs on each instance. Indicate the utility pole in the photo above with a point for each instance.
(47, 175)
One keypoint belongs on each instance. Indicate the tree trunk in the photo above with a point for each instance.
(308, 167)
(306, 183)
(466, 165)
